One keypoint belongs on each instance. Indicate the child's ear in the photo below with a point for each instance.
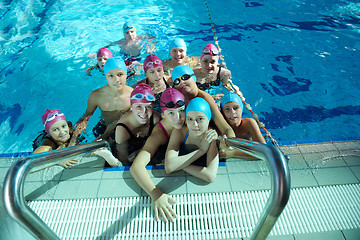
(162, 115)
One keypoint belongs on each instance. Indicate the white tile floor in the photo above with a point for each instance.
(310, 165)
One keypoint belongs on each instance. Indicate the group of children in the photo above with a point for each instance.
(170, 115)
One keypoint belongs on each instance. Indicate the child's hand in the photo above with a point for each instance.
(162, 207)
(217, 96)
(68, 163)
(208, 137)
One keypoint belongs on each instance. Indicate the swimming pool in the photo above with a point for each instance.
(297, 65)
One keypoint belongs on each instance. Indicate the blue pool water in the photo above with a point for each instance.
(296, 62)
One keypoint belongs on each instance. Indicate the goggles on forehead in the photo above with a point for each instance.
(209, 51)
(51, 117)
(183, 77)
(156, 62)
(140, 96)
(171, 104)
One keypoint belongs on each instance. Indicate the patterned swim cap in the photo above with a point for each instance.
(171, 99)
(152, 61)
(142, 94)
(50, 117)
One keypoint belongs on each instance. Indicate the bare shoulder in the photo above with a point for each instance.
(249, 122)
(157, 117)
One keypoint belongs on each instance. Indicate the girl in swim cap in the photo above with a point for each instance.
(178, 56)
(210, 75)
(60, 134)
(102, 55)
(184, 79)
(173, 112)
(135, 126)
(155, 78)
(246, 128)
(193, 147)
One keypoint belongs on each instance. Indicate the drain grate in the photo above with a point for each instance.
(202, 216)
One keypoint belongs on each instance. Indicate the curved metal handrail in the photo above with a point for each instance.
(280, 182)
(13, 192)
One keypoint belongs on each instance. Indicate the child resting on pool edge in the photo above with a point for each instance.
(60, 134)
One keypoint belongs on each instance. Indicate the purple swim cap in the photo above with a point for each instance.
(50, 117)
(152, 61)
(210, 49)
(142, 94)
(104, 52)
(171, 99)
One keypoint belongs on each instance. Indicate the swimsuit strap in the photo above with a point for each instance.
(166, 83)
(164, 130)
(186, 136)
(218, 75)
(126, 128)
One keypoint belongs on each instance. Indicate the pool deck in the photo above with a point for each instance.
(311, 165)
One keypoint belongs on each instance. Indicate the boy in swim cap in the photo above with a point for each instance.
(136, 125)
(154, 73)
(178, 56)
(193, 147)
(209, 74)
(172, 104)
(113, 99)
(246, 128)
(102, 55)
(184, 80)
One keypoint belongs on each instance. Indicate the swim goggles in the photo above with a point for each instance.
(171, 104)
(51, 117)
(140, 96)
(183, 77)
(156, 62)
(127, 28)
(214, 52)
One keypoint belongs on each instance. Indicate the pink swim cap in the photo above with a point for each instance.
(50, 117)
(104, 52)
(152, 61)
(171, 99)
(142, 94)
(210, 49)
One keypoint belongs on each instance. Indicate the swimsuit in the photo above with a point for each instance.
(185, 150)
(205, 86)
(164, 130)
(136, 143)
(158, 96)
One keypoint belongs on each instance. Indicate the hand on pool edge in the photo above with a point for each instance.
(162, 205)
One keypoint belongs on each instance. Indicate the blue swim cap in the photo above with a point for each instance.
(127, 27)
(180, 70)
(177, 42)
(199, 104)
(231, 97)
(114, 63)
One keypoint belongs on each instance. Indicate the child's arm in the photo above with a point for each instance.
(121, 138)
(254, 130)
(174, 162)
(161, 201)
(81, 124)
(209, 172)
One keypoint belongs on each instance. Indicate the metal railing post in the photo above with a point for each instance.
(280, 182)
(13, 192)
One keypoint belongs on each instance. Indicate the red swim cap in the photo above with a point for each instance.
(104, 52)
(50, 117)
(152, 61)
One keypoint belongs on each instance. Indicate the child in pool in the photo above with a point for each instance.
(60, 134)
(172, 104)
(113, 99)
(131, 45)
(178, 56)
(102, 55)
(155, 78)
(210, 74)
(184, 80)
(193, 147)
(135, 126)
(247, 128)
